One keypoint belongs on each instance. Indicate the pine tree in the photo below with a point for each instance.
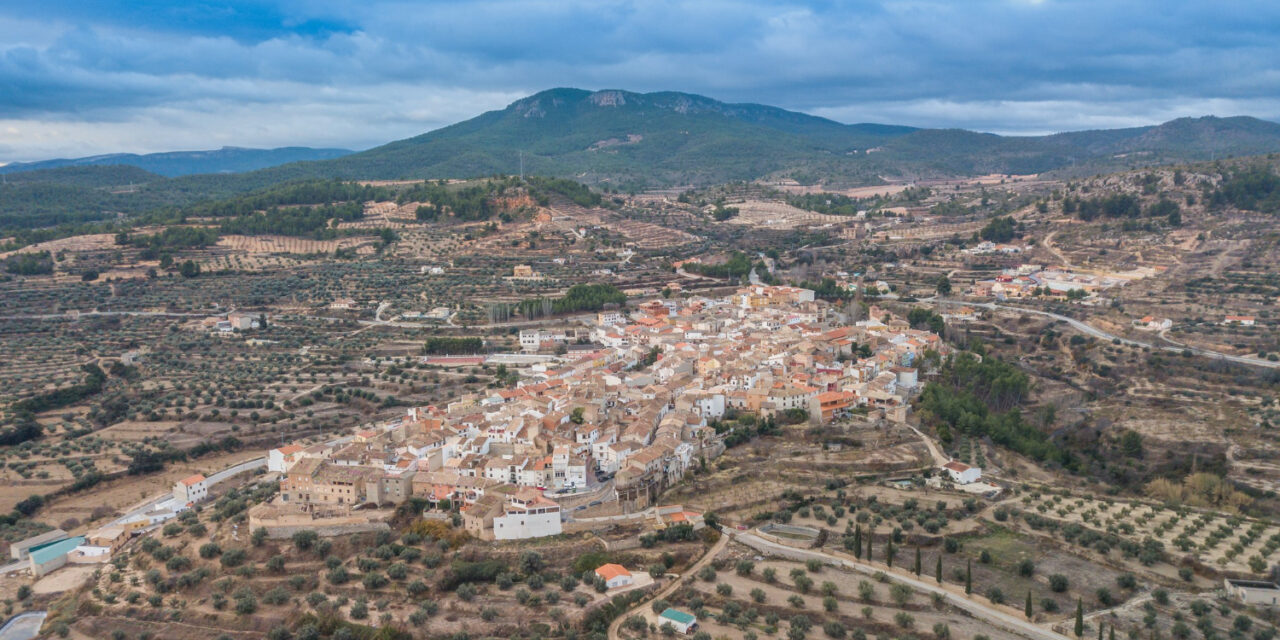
(857, 543)
(937, 570)
(968, 578)
(1079, 618)
(917, 561)
(1028, 609)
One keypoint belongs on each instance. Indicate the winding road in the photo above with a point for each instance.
(1103, 335)
(669, 589)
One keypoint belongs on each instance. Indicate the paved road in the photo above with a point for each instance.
(1103, 335)
(670, 588)
(212, 480)
(23, 626)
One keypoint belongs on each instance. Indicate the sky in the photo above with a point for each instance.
(84, 77)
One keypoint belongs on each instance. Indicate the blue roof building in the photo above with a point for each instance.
(48, 557)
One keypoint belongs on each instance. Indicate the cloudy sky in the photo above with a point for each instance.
(81, 77)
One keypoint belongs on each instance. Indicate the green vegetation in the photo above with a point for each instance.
(980, 399)
(737, 266)
(29, 264)
(446, 345)
(999, 230)
(579, 297)
(1255, 188)
(311, 222)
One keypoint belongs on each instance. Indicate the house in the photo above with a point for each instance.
(962, 473)
(241, 321)
(526, 272)
(614, 575)
(279, 460)
(527, 515)
(191, 489)
(49, 557)
(682, 622)
(21, 549)
(342, 304)
(1253, 592)
(1244, 321)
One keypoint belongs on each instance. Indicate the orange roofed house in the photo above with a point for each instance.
(614, 575)
(191, 489)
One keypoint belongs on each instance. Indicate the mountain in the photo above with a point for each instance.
(625, 140)
(181, 163)
(667, 138)
(619, 137)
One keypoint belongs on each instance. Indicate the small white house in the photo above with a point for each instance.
(962, 473)
(614, 575)
(280, 460)
(191, 490)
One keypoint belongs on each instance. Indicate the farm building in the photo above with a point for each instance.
(962, 473)
(682, 621)
(1253, 592)
(50, 557)
(21, 549)
(614, 575)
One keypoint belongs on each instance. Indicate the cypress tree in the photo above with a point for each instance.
(917, 561)
(937, 570)
(1028, 610)
(888, 554)
(1079, 618)
(1111, 635)
(968, 578)
(871, 537)
(857, 542)
(1101, 626)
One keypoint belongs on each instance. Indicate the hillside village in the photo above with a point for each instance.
(623, 422)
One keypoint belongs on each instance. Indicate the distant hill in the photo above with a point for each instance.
(629, 141)
(182, 163)
(658, 139)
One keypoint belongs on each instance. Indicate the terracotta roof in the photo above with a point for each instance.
(611, 571)
(197, 478)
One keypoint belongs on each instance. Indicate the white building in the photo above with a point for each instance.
(191, 490)
(1253, 592)
(527, 516)
(962, 473)
(280, 460)
(610, 318)
(615, 575)
(683, 622)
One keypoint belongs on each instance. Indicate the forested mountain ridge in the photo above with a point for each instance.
(630, 141)
(180, 163)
